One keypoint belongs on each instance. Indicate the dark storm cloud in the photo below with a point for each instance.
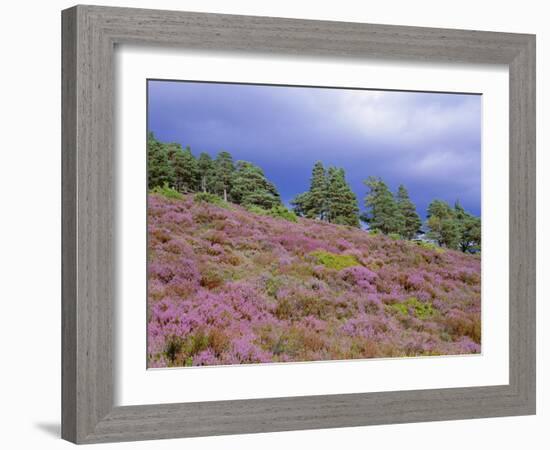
(428, 142)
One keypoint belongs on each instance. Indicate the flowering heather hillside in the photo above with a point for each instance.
(228, 286)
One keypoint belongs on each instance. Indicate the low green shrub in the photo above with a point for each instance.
(256, 210)
(195, 343)
(173, 348)
(394, 236)
(207, 197)
(167, 191)
(188, 361)
(333, 260)
(279, 212)
(282, 213)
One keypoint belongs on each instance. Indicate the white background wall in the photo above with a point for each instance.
(30, 223)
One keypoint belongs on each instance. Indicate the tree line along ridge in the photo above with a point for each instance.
(329, 198)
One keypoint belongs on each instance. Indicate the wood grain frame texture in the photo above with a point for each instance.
(89, 36)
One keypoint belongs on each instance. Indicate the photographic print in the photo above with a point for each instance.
(296, 223)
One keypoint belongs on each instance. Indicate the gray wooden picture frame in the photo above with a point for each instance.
(89, 36)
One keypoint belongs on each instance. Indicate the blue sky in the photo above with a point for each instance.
(430, 142)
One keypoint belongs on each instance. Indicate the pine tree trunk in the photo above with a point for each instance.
(203, 182)
(225, 194)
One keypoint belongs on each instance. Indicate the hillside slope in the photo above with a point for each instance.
(227, 286)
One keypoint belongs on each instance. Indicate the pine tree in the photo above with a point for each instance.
(329, 198)
(299, 203)
(411, 220)
(341, 203)
(470, 240)
(159, 167)
(171, 149)
(251, 187)
(223, 170)
(443, 225)
(206, 171)
(315, 206)
(382, 213)
(186, 170)
(470, 229)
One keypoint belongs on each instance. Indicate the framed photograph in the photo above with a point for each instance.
(278, 224)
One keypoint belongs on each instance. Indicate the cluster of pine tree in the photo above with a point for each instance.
(329, 198)
(389, 213)
(453, 227)
(396, 214)
(239, 182)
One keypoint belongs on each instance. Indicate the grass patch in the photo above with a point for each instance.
(272, 286)
(400, 308)
(333, 260)
(419, 309)
(430, 246)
